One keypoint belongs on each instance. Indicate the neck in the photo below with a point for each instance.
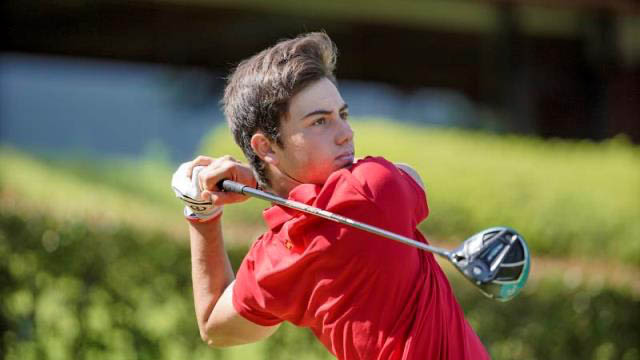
(281, 183)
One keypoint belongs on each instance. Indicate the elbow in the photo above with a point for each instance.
(206, 338)
(211, 341)
(214, 339)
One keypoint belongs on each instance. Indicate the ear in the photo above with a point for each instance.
(263, 147)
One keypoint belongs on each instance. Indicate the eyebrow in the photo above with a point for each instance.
(325, 112)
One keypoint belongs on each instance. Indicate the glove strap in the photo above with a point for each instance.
(199, 218)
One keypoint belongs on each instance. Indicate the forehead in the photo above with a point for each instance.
(319, 95)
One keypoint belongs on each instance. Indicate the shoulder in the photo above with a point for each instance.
(411, 172)
(374, 172)
(377, 175)
(372, 165)
(394, 188)
(380, 167)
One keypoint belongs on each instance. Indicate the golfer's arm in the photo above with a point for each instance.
(219, 323)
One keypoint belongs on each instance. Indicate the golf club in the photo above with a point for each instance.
(495, 260)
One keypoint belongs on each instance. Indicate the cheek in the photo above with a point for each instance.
(310, 159)
(317, 152)
(305, 150)
(320, 163)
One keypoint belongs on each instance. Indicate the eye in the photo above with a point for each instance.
(344, 115)
(320, 121)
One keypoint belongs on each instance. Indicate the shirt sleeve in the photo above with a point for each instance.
(249, 298)
(393, 190)
(420, 195)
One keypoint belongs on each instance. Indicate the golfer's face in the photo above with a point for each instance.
(316, 135)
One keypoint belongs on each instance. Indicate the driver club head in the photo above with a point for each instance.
(496, 260)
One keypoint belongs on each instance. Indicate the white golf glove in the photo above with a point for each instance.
(188, 190)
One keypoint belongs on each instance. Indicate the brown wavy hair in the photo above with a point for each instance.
(258, 91)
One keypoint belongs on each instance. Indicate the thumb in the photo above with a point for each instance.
(224, 198)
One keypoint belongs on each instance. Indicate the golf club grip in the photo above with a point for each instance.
(231, 186)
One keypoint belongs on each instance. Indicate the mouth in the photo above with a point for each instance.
(345, 158)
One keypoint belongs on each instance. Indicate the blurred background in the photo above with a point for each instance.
(521, 113)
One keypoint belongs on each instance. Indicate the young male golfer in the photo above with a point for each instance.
(363, 296)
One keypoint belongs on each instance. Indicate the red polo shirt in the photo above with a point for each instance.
(363, 296)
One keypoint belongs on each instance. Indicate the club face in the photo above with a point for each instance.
(496, 260)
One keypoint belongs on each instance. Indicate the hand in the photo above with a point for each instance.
(188, 190)
(215, 170)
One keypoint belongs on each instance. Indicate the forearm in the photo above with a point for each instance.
(210, 269)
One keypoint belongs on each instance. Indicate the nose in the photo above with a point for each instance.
(345, 133)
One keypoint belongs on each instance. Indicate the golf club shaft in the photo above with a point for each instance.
(231, 186)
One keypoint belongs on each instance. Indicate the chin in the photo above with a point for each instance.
(349, 164)
(346, 165)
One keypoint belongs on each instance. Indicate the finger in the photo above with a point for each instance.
(206, 195)
(228, 158)
(208, 177)
(224, 198)
(244, 175)
(219, 170)
(199, 161)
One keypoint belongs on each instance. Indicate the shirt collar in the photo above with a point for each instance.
(277, 215)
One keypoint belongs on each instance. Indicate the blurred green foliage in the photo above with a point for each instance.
(94, 262)
(72, 291)
(99, 190)
(566, 197)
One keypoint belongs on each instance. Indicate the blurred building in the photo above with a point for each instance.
(567, 68)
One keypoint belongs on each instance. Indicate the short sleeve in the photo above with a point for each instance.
(249, 298)
(420, 195)
(393, 190)
(278, 279)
